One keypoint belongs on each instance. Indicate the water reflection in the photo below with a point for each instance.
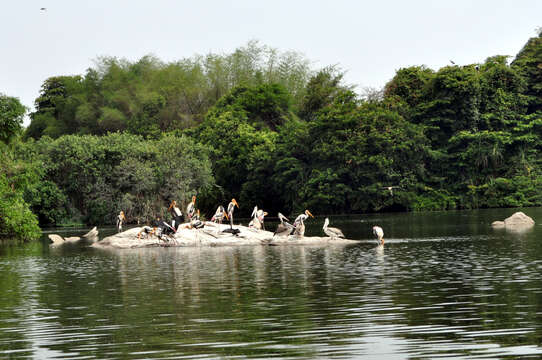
(442, 286)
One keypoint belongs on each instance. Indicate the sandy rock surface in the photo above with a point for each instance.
(516, 221)
(210, 235)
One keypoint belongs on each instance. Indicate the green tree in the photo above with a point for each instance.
(529, 62)
(11, 117)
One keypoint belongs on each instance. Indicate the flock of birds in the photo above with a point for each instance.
(284, 228)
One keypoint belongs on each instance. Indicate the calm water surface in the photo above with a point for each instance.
(444, 286)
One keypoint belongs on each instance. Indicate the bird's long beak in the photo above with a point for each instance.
(265, 213)
(226, 215)
(309, 213)
(235, 202)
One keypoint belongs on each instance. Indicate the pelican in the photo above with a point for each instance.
(219, 215)
(331, 231)
(284, 228)
(191, 208)
(379, 234)
(257, 221)
(231, 208)
(299, 225)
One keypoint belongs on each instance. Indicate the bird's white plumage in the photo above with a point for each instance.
(332, 232)
(378, 233)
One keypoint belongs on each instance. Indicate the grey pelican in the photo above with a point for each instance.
(231, 208)
(191, 208)
(120, 220)
(299, 225)
(284, 228)
(379, 234)
(331, 231)
(257, 221)
(219, 215)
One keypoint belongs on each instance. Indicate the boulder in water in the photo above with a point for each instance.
(56, 239)
(92, 235)
(517, 221)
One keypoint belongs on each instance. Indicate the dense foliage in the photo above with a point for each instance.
(11, 117)
(149, 97)
(260, 126)
(91, 178)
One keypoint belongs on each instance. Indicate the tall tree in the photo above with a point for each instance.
(11, 117)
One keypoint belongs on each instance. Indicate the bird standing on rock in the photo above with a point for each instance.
(299, 225)
(284, 228)
(231, 208)
(332, 232)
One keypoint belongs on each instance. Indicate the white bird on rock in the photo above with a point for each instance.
(257, 221)
(219, 215)
(231, 208)
(299, 224)
(284, 228)
(332, 232)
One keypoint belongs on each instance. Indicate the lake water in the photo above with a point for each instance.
(445, 285)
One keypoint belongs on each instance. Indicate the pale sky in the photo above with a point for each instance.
(368, 39)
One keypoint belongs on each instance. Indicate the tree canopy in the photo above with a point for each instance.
(262, 126)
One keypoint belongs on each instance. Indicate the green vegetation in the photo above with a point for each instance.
(261, 126)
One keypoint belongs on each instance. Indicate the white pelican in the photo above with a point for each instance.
(191, 208)
(299, 224)
(257, 221)
(231, 208)
(219, 215)
(331, 231)
(284, 228)
(379, 234)
(120, 220)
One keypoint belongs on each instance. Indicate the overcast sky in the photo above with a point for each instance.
(368, 39)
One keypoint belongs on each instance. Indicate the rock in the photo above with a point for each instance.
(92, 235)
(517, 221)
(212, 235)
(72, 239)
(56, 239)
(59, 240)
